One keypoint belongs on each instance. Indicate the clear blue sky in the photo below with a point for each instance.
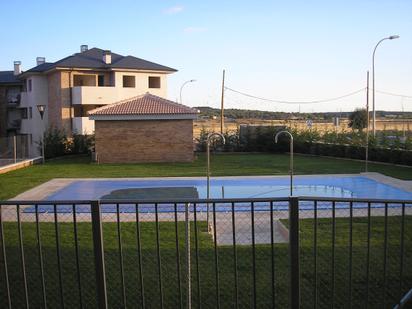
(292, 50)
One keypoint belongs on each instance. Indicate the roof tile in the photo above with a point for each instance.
(147, 104)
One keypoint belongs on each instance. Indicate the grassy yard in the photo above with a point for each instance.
(206, 266)
(19, 181)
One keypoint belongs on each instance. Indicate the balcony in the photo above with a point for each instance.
(82, 125)
(14, 125)
(102, 95)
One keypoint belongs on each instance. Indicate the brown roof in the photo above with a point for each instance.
(147, 104)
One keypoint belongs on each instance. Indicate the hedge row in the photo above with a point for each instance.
(395, 156)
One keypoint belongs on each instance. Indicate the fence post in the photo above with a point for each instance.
(294, 252)
(99, 255)
(188, 264)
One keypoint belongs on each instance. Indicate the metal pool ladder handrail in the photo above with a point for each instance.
(208, 139)
(291, 156)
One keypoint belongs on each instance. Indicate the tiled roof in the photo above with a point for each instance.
(147, 104)
(8, 77)
(93, 59)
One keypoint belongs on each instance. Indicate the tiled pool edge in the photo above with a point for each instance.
(40, 192)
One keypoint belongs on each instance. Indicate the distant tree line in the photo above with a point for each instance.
(209, 112)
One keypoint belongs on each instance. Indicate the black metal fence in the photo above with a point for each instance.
(298, 252)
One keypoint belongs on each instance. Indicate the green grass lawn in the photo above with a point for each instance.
(19, 181)
(206, 266)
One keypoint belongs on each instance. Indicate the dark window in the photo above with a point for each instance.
(154, 82)
(100, 80)
(24, 113)
(129, 81)
(29, 85)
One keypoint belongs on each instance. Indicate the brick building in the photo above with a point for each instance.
(145, 128)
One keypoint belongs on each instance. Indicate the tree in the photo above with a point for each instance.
(358, 120)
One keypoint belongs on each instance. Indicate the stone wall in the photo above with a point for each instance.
(144, 141)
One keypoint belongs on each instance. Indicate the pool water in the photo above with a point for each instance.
(221, 187)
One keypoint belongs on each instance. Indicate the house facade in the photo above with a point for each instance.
(71, 87)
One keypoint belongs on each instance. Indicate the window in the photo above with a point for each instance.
(24, 113)
(30, 112)
(29, 85)
(154, 82)
(129, 81)
(100, 80)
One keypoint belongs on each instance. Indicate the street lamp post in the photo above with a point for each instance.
(42, 108)
(392, 37)
(181, 88)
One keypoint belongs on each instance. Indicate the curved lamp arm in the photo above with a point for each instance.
(291, 156)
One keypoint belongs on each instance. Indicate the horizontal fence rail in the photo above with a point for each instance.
(296, 252)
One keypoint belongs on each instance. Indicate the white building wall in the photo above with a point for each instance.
(34, 125)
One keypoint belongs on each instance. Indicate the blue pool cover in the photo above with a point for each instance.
(224, 187)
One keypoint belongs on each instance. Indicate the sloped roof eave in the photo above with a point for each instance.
(143, 117)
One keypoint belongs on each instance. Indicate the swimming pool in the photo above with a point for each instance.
(334, 186)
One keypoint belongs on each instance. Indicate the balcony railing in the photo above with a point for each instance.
(14, 100)
(267, 252)
(102, 95)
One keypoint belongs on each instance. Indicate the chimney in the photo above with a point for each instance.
(83, 48)
(17, 67)
(40, 60)
(107, 57)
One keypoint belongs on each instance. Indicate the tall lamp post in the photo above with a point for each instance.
(42, 108)
(392, 37)
(184, 84)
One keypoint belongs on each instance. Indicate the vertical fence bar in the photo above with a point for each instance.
(188, 268)
(159, 261)
(76, 247)
(368, 251)
(333, 252)
(385, 255)
(216, 257)
(58, 253)
(272, 256)
(14, 149)
(23, 263)
(98, 250)
(120, 247)
(294, 252)
(350, 251)
(401, 258)
(252, 217)
(235, 256)
(199, 294)
(179, 284)
(4, 255)
(39, 249)
(139, 256)
(315, 254)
